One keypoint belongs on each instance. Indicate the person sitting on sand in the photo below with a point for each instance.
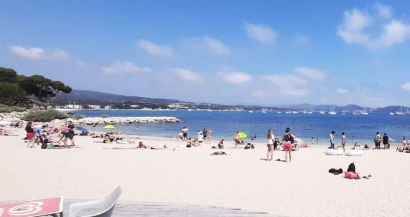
(5, 133)
(196, 143)
(221, 144)
(221, 153)
(142, 145)
(366, 147)
(402, 149)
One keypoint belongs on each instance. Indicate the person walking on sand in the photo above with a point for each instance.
(270, 138)
(332, 139)
(311, 141)
(343, 141)
(287, 146)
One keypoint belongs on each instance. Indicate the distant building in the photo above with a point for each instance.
(107, 107)
(135, 106)
(94, 106)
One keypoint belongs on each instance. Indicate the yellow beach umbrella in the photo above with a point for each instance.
(109, 127)
(242, 135)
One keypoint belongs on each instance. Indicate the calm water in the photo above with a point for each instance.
(305, 126)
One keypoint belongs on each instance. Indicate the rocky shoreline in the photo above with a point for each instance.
(98, 120)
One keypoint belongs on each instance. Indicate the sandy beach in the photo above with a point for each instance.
(192, 176)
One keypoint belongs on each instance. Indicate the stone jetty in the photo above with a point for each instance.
(120, 120)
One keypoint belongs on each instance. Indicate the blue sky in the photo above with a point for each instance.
(229, 52)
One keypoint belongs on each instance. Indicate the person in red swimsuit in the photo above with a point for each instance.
(288, 138)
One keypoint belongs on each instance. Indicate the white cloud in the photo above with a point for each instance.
(310, 73)
(59, 54)
(80, 63)
(154, 49)
(355, 22)
(261, 33)
(259, 94)
(289, 84)
(37, 53)
(342, 91)
(406, 86)
(207, 43)
(383, 10)
(124, 67)
(216, 46)
(186, 74)
(302, 40)
(235, 77)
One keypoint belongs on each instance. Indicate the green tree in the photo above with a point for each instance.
(42, 88)
(7, 75)
(12, 94)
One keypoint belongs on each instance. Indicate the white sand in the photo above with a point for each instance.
(192, 176)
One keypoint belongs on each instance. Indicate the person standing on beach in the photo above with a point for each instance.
(209, 136)
(311, 141)
(343, 141)
(386, 141)
(288, 138)
(270, 138)
(29, 135)
(236, 139)
(377, 140)
(332, 139)
(184, 133)
(205, 133)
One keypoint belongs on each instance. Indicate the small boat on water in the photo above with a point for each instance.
(399, 112)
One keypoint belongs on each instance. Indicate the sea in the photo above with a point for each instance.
(225, 124)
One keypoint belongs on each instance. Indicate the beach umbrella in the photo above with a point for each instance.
(242, 135)
(109, 127)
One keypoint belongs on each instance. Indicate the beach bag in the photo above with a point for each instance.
(44, 144)
(351, 168)
(247, 147)
(188, 146)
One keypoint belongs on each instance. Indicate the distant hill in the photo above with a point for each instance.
(90, 97)
(311, 107)
(394, 108)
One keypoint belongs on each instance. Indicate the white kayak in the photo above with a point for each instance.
(353, 152)
(334, 152)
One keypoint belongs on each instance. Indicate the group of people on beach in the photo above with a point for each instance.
(42, 135)
(273, 142)
(204, 135)
(378, 140)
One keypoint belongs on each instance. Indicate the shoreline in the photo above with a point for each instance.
(192, 176)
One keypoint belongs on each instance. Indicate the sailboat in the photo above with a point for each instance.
(391, 113)
(364, 112)
(399, 112)
(332, 112)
